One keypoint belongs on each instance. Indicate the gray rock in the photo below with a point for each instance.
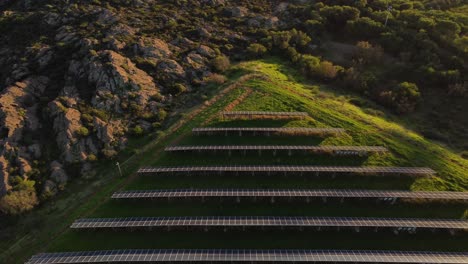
(206, 51)
(58, 174)
(171, 69)
(49, 189)
(87, 170)
(35, 150)
(238, 11)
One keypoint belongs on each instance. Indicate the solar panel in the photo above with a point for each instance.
(268, 130)
(264, 113)
(246, 255)
(268, 221)
(339, 193)
(421, 171)
(335, 149)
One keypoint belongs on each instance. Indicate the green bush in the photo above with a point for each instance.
(138, 131)
(221, 63)
(82, 131)
(256, 50)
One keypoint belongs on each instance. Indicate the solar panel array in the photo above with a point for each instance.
(245, 255)
(288, 193)
(264, 113)
(268, 221)
(269, 129)
(333, 169)
(278, 147)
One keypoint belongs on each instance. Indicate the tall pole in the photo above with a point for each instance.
(118, 166)
(389, 8)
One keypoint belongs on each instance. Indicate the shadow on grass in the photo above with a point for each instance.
(251, 123)
(279, 182)
(251, 140)
(103, 240)
(266, 158)
(280, 207)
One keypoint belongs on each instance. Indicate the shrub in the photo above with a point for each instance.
(464, 154)
(178, 89)
(21, 200)
(109, 153)
(221, 63)
(256, 50)
(215, 78)
(138, 131)
(92, 157)
(162, 114)
(326, 70)
(82, 131)
(299, 38)
(87, 118)
(403, 98)
(368, 54)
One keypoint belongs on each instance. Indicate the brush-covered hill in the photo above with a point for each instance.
(82, 80)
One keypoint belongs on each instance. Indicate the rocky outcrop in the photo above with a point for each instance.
(67, 123)
(117, 79)
(170, 70)
(206, 51)
(107, 133)
(153, 48)
(18, 113)
(4, 175)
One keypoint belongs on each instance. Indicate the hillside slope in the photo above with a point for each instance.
(274, 87)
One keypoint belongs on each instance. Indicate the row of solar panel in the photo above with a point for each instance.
(289, 193)
(283, 147)
(271, 221)
(269, 129)
(263, 113)
(241, 255)
(330, 169)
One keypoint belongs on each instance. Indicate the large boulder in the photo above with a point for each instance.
(16, 109)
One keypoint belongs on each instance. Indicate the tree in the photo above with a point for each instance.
(256, 50)
(337, 16)
(367, 54)
(447, 28)
(365, 27)
(281, 39)
(326, 70)
(403, 98)
(299, 38)
(221, 63)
